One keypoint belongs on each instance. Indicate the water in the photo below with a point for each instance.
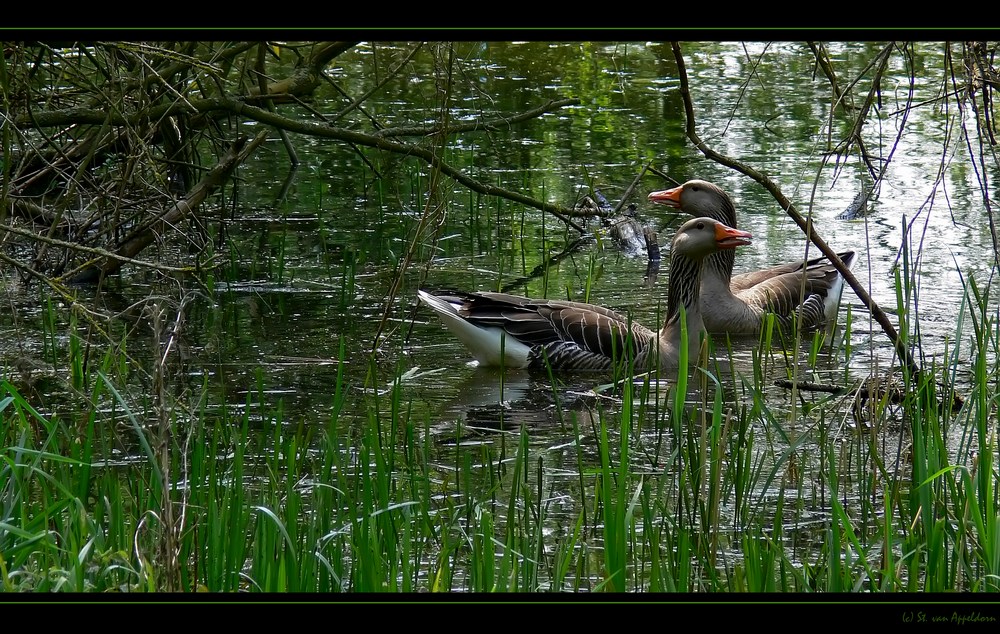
(315, 264)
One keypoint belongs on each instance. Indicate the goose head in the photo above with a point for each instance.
(700, 237)
(699, 198)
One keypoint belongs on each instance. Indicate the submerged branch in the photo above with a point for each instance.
(873, 389)
(94, 251)
(547, 263)
(431, 158)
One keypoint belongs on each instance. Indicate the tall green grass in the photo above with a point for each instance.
(708, 487)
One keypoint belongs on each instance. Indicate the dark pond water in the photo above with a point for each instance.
(318, 249)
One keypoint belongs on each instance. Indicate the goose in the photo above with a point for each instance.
(737, 304)
(520, 332)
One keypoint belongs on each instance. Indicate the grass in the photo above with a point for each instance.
(708, 488)
(153, 479)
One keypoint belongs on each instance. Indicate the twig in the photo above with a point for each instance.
(101, 253)
(631, 188)
(146, 234)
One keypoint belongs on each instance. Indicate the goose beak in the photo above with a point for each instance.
(671, 197)
(728, 238)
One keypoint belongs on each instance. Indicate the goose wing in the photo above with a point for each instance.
(817, 266)
(810, 289)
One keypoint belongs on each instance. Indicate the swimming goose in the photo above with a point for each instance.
(518, 332)
(737, 303)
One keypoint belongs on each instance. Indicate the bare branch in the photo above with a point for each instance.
(144, 236)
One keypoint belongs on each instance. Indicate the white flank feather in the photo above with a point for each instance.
(486, 343)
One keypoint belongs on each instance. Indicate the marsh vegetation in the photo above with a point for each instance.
(216, 375)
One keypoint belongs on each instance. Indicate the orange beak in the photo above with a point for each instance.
(671, 197)
(729, 238)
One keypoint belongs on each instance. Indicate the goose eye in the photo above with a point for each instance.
(701, 225)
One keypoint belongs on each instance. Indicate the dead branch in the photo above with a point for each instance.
(631, 188)
(262, 115)
(142, 237)
(307, 77)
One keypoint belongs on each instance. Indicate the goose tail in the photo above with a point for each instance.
(832, 304)
(490, 345)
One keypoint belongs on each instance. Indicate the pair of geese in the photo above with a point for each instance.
(519, 332)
